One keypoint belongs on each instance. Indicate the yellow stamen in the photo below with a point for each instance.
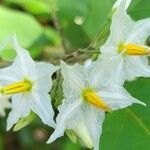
(17, 87)
(133, 49)
(90, 96)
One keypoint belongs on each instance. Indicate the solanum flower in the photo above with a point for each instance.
(125, 46)
(4, 104)
(86, 99)
(29, 83)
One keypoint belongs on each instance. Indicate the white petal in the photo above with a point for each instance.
(8, 76)
(23, 63)
(45, 69)
(93, 119)
(74, 79)
(20, 109)
(4, 104)
(121, 27)
(40, 103)
(87, 62)
(117, 97)
(106, 70)
(68, 117)
(140, 32)
(110, 47)
(44, 73)
(82, 132)
(136, 67)
(119, 2)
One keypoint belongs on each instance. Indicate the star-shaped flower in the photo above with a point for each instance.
(4, 104)
(86, 99)
(124, 51)
(29, 83)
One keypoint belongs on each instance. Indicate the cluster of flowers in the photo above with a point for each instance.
(89, 91)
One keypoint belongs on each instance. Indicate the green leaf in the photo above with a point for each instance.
(129, 129)
(24, 122)
(25, 26)
(36, 7)
(139, 9)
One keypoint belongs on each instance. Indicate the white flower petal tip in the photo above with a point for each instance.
(136, 101)
(66, 66)
(14, 37)
(140, 102)
(63, 65)
(82, 132)
(51, 139)
(8, 127)
(126, 3)
(87, 62)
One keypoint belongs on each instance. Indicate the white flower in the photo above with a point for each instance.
(29, 82)
(125, 46)
(4, 104)
(86, 99)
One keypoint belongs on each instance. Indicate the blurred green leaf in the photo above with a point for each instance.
(129, 129)
(68, 145)
(24, 122)
(37, 7)
(48, 38)
(97, 13)
(1, 143)
(25, 26)
(52, 36)
(84, 20)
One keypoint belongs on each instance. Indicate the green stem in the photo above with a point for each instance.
(81, 52)
(57, 23)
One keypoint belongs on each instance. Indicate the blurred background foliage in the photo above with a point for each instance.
(50, 29)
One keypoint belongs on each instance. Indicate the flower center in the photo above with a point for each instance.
(90, 96)
(133, 49)
(18, 87)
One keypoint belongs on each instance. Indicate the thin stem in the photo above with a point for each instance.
(57, 23)
(80, 52)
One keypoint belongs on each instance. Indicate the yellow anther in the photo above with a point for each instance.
(94, 99)
(133, 49)
(17, 87)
